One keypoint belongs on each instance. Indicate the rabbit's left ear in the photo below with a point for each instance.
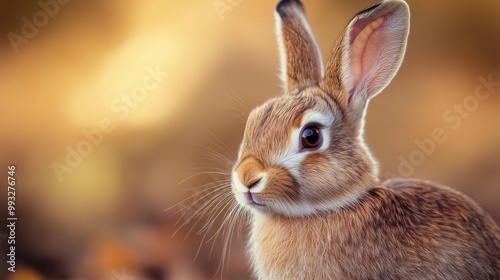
(299, 54)
(367, 56)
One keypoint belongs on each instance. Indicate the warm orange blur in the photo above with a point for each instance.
(108, 105)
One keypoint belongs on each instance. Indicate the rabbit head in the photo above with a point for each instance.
(303, 152)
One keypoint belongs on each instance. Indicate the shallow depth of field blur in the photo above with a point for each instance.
(102, 215)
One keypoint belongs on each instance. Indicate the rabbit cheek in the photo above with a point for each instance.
(321, 181)
(283, 195)
(281, 187)
(318, 178)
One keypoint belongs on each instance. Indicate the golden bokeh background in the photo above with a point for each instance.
(173, 81)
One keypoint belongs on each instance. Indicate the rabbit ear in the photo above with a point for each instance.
(301, 63)
(367, 56)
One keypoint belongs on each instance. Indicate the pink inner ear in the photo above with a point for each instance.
(366, 40)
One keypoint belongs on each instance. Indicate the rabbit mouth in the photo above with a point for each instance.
(253, 199)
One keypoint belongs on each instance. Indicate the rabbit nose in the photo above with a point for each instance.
(250, 172)
(254, 183)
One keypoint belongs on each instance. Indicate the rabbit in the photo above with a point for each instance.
(317, 207)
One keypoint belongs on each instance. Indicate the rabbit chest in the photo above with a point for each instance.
(305, 248)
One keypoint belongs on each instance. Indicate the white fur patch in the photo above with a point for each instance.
(237, 183)
(343, 202)
(294, 209)
(292, 157)
(255, 189)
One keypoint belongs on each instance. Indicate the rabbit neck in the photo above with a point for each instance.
(309, 247)
(292, 248)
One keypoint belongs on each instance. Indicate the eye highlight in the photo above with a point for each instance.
(311, 137)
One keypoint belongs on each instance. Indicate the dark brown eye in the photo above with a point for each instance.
(311, 137)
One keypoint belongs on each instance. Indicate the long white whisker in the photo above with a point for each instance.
(205, 187)
(212, 211)
(202, 173)
(213, 190)
(218, 209)
(225, 148)
(228, 217)
(201, 209)
(239, 118)
(224, 220)
(232, 224)
(211, 222)
(215, 152)
(238, 99)
(207, 205)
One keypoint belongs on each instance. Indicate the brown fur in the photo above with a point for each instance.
(296, 37)
(404, 230)
(323, 214)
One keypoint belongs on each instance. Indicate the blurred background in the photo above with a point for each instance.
(114, 111)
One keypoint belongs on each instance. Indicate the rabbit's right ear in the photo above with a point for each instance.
(301, 64)
(367, 56)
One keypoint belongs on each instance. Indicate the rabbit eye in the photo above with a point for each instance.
(311, 137)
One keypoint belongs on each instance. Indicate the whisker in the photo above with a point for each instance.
(214, 198)
(209, 185)
(219, 208)
(216, 234)
(230, 233)
(238, 117)
(201, 173)
(211, 222)
(207, 205)
(238, 99)
(211, 211)
(217, 155)
(210, 169)
(209, 191)
(224, 146)
(238, 113)
(220, 267)
(242, 113)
